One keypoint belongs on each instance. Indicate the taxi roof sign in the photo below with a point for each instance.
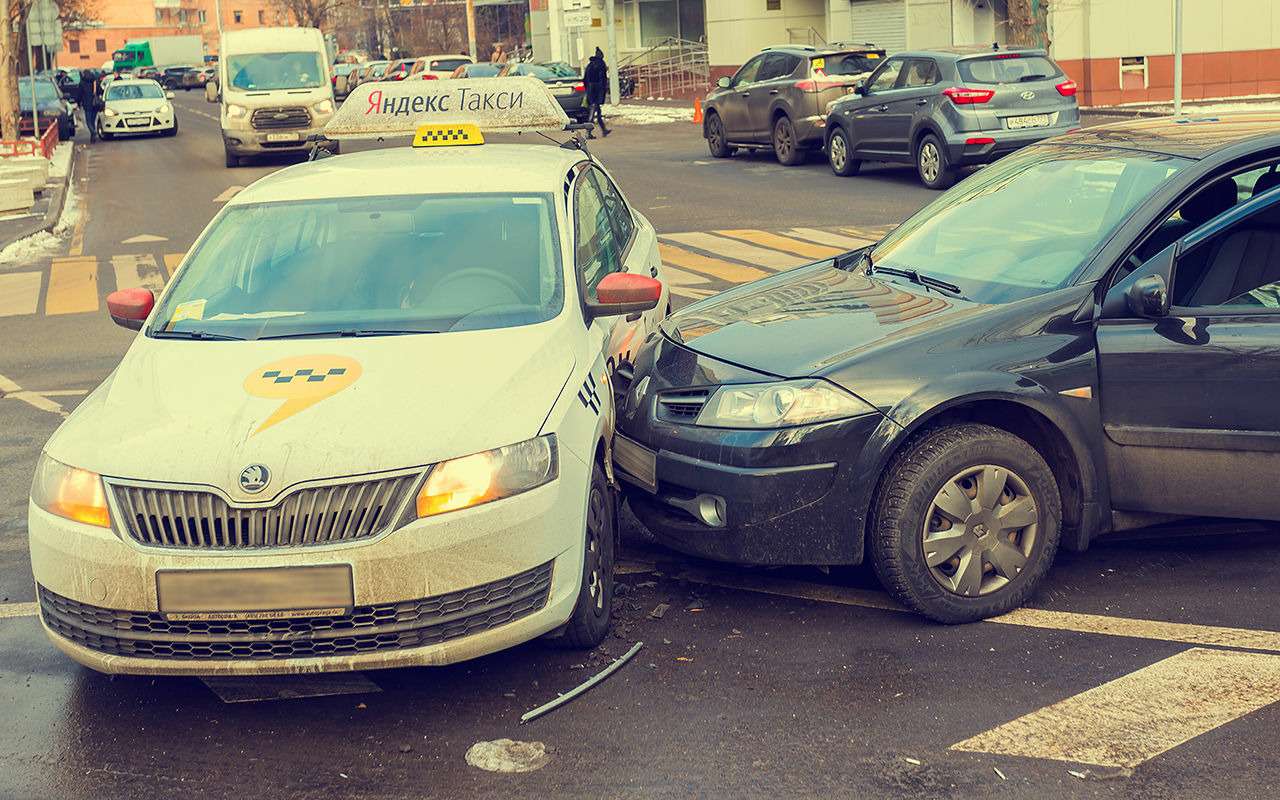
(400, 108)
(447, 135)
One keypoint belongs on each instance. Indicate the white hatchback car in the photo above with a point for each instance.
(367, 424)
(136, 105)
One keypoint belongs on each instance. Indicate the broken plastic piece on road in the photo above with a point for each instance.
(592, 681)
(659, 611)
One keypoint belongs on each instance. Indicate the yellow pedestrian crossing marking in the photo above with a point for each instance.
(737, 250)
(715, 267)
(784, 243)
(845, 243)
(171, 262)
(1135, 718)
(73, 286)
(137, 271)
(19, 293)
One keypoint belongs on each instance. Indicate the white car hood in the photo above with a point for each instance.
(129, 106)
(186, 411)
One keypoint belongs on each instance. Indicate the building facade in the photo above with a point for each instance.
(1117, 50)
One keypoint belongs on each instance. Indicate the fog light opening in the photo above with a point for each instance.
(711, 510)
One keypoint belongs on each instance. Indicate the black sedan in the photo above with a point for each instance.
(564, 82)
(51, 107)
(1081, 338)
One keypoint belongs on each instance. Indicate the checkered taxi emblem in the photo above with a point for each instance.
(447, 135)
(309, 375)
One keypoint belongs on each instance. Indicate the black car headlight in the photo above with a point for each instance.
(779, 405)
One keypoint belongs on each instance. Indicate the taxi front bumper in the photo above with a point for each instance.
(135, 123)
(436, 591)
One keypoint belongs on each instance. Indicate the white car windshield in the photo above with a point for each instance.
(262, 72)
(1027, 223)
(369, 266)
(135, 91)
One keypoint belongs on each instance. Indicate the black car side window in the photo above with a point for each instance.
(1237, 266)
(596, 248)
(619, 215)
(920, 72)
(886, 77)
(749, 72)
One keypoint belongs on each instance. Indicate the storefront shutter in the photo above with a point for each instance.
(880, 22)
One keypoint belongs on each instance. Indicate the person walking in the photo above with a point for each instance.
(88, 98)
(499, 55)
(596, 78)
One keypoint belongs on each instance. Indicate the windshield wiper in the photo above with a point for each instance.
(915, 276)
(200, 335)
(348, 332)
(1026, 78)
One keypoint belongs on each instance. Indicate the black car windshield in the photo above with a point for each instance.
(443, 64)
(135, 91)
(260, 72)
(1027, 223)
(356, 265)
(1008, 68)
(547, 72)
(46, 91)
(849, 63)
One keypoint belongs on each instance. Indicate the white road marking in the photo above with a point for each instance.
(1135, 718)
(19, 293)
(228, 193)
(15, 610)
(144, 238)
(693, 294)
(725, 247)
(138, 270)
(12, 391)
(678, 277)
(64, 392)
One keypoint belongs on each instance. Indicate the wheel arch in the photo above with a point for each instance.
(708, 112)
(924, 129)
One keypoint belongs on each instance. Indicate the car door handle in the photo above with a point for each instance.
(922, 102)
(746, 94)
(633, 317)
(773, 91)
(881, 108)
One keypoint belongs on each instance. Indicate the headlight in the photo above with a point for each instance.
(110, 112)
(323, 107)
(236, 112)
(779, 405)
(164, 109)
(69, 492)
(491, 475)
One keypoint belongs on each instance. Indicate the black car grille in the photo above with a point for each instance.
(682, 406)
(367, 629)
(272, 118)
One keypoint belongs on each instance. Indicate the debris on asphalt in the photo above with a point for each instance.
(914, 761)
(683, 658)
(406, 748)
(659, 611)
(1000, 774)
(696, 604)
(590, 682)
(646, 584)
(1080, 775)
(506, 755)
(361, 706)
(633, 568)
(666, 641)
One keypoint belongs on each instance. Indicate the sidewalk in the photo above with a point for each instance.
(1195, 108)
(45, 214)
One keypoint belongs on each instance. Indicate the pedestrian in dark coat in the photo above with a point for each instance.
(89, 98)
(596, 78)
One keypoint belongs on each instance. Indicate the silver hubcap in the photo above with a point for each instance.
(839, 153)
(980, 530)
(717, 133)
(930, 161)
(782, 138)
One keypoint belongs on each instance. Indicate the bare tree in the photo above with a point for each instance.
(310, 13)
(1029, 23)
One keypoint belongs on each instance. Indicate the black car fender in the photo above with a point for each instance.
(1014, 402)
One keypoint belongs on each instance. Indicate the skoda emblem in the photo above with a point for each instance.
(254, 478)
(1028, 95)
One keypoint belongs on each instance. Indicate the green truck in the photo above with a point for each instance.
(158, 51)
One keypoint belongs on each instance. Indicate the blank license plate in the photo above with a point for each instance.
(268, 593)
(1029, 121)
(290, 137)
(137, 123)
(637, 461)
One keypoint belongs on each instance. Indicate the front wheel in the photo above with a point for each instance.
(931, 164)
(589, 624)
(966, 523)
(716, 141)
(232, 160)
(840, 154)
(785, 146)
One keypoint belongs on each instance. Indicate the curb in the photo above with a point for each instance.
(56, 203)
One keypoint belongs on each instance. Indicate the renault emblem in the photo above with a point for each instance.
(254, 478)
(1028, 95)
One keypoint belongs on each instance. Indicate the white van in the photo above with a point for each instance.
(276, 89)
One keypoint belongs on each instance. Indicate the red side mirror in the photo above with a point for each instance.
(130, 308)
(625, 293)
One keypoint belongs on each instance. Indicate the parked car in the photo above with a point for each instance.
(946, 109)
(779, 99)
(480, 69)
(136, 106)
(50, 107)
(342, 78)
(371, 71)
(436, 67)
(398, 70)
(1078, 339)
(564, 81)
(171, 77)
(147, 72)
(196, 78)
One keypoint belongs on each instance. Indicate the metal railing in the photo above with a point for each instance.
(806, 36)
(671, 68)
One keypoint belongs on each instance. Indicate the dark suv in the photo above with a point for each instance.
(779, 99)
(949, 108)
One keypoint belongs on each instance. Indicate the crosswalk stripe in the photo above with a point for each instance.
(716, 268)
(19, 293)
(828, 238)
(737, 250)
(1135, 718)
(73, 286)
(171, 262)
(786, 244)
(137, 270)
(678, 277)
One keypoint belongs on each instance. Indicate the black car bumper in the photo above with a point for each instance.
(750, 496)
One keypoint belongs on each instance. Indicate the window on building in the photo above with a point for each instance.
(1133, 72)
(159, 16)
(73, 46)
(262, 17)
(202, 16)
(661, 19)
(100, 45)
(772, 5)
(182, 16)
(237, 16)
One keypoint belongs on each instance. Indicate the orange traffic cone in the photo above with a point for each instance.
(697, 111)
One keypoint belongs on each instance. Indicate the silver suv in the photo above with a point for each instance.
(949, 108)
(779, 99)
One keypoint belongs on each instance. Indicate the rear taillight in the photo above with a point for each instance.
(967, 97)
(1067, 88)
(979, 140)
(807, 85)
(1003, 56)
(580, 87)
(427, 76)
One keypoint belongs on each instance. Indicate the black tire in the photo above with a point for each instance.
(910, 485)
(931, 163)
(106, 137)
(174, 130)
(840, 154)
(589, 624)
(716, 141)
(785, 147)
(233, 160)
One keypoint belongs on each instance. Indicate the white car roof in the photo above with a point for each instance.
(133, 81)
(425, 170)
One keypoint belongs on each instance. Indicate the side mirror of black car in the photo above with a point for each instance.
(861, 89)
(1149, 297)
(725, 83)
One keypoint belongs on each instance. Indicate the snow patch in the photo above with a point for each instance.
(505, 755)
(61, 161)
(638, 114)
(47, 243)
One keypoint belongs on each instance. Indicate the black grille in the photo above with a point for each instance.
(681, 406)
(367, 629)
(272, 118)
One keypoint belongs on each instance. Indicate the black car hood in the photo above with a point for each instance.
(810, 319)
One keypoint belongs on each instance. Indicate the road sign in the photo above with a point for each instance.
(577, 19)
(44, 29)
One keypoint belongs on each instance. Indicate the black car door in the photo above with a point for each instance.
(1190, 398)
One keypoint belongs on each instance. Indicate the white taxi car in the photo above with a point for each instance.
(368, 422)
(136, 105)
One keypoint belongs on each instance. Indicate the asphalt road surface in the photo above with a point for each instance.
(1148, 667)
